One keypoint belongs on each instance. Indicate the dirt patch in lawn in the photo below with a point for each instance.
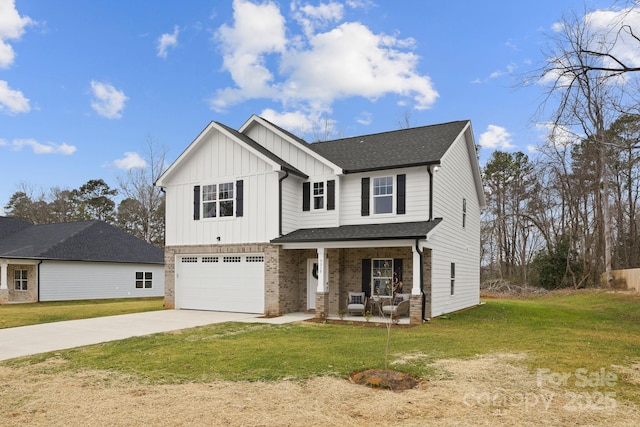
(488, 390)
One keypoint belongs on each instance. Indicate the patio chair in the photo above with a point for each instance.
(356, 303)
(398, 307)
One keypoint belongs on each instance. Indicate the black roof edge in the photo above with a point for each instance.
(408, 165)
(352, 239)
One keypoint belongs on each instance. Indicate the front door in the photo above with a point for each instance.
(312, 283)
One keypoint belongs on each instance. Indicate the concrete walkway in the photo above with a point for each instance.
(35, 339)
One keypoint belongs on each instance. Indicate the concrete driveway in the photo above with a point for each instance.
(35, 339)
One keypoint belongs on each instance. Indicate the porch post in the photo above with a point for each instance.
(322, 274)
(3, 275)
(415, 289)
(4, 292)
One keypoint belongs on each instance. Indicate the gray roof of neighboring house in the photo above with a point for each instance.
(286, 166)
(401, 148)
(9, 226)
(400, 230)
(77, 241)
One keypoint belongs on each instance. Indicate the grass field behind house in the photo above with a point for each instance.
(12, 315)
(560, 332)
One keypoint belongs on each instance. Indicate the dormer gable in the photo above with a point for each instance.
(255, 122)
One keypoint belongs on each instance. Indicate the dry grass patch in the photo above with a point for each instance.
(462, 396)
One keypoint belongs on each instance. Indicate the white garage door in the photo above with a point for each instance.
(229, 282)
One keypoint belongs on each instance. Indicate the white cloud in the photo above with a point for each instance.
(39, 148)
(311, 71)
(166, 41)
(607, 23)
(365, 118)
(559, 136)
(11, 100)
(130, 160)
(496, 137)
(108, 102)
(314, 17)
(12, 27)
(294, 121)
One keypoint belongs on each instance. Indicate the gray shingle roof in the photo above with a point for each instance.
(9, 226)
(401, 230)
(78, 241)
(401, 148)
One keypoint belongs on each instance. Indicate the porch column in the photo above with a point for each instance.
(322, 274)
(415, 289)
(3, 275)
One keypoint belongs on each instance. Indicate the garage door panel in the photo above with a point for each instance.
(221, 283)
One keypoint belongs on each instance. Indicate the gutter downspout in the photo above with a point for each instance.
(38, 269)
(286, 174)
(421, 273)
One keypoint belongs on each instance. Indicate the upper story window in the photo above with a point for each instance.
(383, 195)
(217, 200)
(387, 193)
(318, 195)
(20, 280)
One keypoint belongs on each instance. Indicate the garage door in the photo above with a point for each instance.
(229, 282)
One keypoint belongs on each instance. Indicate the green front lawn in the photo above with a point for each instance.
(561, 333)
(12, 315)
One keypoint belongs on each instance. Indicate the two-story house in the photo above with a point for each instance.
(260, 221)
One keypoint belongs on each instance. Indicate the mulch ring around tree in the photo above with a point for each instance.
(386, 379)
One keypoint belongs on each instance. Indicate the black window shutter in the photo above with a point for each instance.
(331, 195)
(364, 211)
(306, 196)
(366, 277)
(397, 268)
(239, 198)
(196, 202)
(402, 191)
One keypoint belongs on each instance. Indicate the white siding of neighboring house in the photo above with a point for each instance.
(450, 242)
(417, 197)
(219, 159)
(67, 280)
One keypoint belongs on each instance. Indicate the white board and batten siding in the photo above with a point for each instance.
(219, 159)
(72, 280)
(451, 243)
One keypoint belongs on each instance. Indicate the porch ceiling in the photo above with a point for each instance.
(365, 232)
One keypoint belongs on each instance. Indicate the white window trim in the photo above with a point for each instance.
(217, 201)
(22, 280)
(373, 197)
(324, 196)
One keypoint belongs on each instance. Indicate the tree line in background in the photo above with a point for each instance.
(140, 211)
(570, 216)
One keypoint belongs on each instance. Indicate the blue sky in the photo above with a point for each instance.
(85, 84)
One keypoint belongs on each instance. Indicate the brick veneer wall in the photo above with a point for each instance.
(31, 294)
(170, 253)
(286, 275)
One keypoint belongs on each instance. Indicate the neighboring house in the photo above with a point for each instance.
(75, 261)
(259, 221)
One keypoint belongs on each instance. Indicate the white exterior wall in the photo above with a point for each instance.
(219, 159)
(417, 197)
(291, 153)
(67, 280)
(451, 242)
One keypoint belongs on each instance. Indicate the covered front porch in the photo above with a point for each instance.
(366, 259)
